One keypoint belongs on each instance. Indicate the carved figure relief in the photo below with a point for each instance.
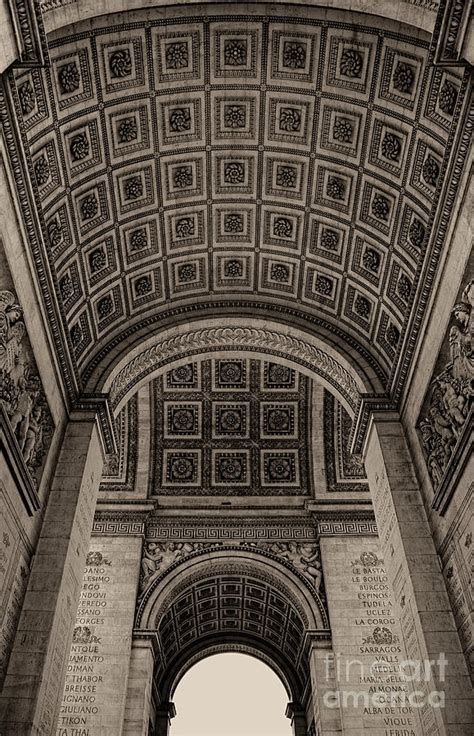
(159, 556)
(21, 391)
(305, 558)
(451, 392)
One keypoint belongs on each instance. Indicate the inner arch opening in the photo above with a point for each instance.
(218, 696)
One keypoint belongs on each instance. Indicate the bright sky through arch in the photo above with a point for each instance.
(230, 695)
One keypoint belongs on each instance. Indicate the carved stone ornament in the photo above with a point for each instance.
(452, 391)
(157, 557)
(168, 349)
(97, 559)
(84, 635)
(21, 391)
(380, 636)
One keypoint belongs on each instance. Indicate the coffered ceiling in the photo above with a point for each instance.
(284, 166)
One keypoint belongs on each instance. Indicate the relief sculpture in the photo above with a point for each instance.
(451, 391)
(21, 392)
(305, 558)
(158, 556)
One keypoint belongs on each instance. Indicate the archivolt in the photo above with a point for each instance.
(344, 379)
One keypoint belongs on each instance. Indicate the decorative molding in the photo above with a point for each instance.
(119, 524)
(151, 588)
(369, 404)
(341, 524)
(426, 4)
(148, 636)
(119, 472)
(234, 338)
(459, 144)
(229, 530)
(31, 209)
(99, 403)
(344, 470)
(304, 559)
(450, 32)
(48, 5)
(28, 24)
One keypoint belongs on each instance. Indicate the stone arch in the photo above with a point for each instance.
(348, 377)
(235, 600)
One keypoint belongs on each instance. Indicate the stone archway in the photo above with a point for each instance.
(347, 376)
(232, 600)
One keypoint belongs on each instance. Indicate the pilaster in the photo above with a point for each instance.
(138, 706)
(103, 637)
(29, 702)
(296, 714)
(327, 714)
(414, 574)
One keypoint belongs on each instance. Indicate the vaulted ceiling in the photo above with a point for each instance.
(289, 167)
(232, 427)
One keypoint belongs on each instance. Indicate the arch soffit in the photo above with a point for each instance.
(420, 14)
(347, 379)
(258, 564)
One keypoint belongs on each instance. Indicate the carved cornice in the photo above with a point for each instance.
(28, 24)
(346, 524)
(120, 524)
(426, 4)
(234, 338)
(446, 195)
(320, 638)
(369, 404)
(48, 5)
(149, 636)
(451, 27)
(231, 529)
(99, 403)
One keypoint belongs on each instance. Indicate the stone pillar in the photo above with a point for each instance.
(95, 690)
(327, 716)
(29, 702)
(140, 684)
(164, 713)
(371, 695)
(414, 575)
(296, 713)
